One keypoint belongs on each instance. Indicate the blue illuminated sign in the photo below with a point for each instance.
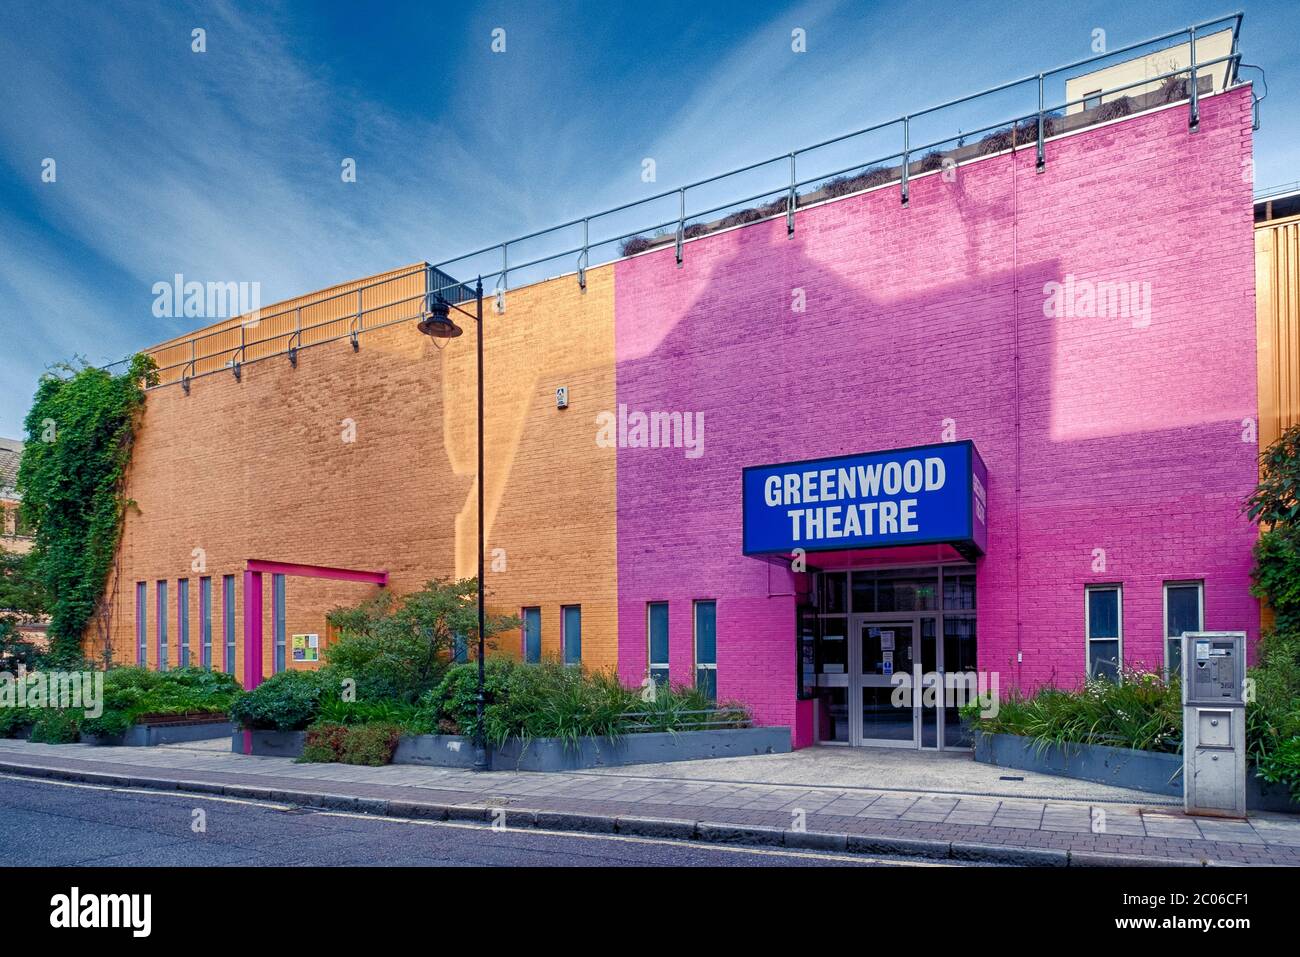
(928, 494)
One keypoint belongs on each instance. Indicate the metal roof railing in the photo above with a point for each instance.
(796, 187)
(949, 133)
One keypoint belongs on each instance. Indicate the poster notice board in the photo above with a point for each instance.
(306, 647)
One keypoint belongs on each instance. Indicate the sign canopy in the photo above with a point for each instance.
(923, 495)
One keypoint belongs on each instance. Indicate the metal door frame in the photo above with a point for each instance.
(857, 682)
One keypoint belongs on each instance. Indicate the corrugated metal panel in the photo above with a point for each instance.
(1277, 317)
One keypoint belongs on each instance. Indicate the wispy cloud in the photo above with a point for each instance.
(225, 165)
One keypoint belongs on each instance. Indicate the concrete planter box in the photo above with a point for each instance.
(550, 754)
(150, 735)
(435, 750)
(273, 744)
(1150, 771)
(1262, 796)
(1122, 767)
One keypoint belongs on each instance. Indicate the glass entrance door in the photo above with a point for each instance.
(884, 649)
(894, 715)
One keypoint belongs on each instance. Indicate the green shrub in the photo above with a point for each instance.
(552, 700)
(14, 721)
(678, 707)
(1282, 766)
(324, 743)
(1277, 575)
(132, 692)
(409, 716)
(1141, 711)
(1273, 717)
(371, 744)
(289, 701)
(454, 699)
(111, 724)
(398, 647)
(55, 726)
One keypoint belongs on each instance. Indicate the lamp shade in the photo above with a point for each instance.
(436, 321)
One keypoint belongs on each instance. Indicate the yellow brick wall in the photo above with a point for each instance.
(258, 468)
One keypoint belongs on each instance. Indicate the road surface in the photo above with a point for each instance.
(52, 823)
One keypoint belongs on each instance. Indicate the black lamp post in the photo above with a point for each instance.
(436, 322)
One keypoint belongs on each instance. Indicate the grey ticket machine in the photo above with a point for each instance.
(1214, 723)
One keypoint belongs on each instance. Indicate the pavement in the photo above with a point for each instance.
(935, 806)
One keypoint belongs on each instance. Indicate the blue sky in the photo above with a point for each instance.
(225, 165)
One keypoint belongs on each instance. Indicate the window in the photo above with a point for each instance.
(1104, 612)
(571, 633)
(161, 592)
(1184, 611)
(459, 649)
(532, 635)
(205, 622)
(277, 621)
(806, 654)
(228, 620)
(183, 620)
(706, 648)
(141, 623)
(1092, 100)
(657, 638)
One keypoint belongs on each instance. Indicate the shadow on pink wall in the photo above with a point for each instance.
(1113, 442)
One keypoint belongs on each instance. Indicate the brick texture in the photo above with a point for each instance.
(1098, 433)
(259, 468)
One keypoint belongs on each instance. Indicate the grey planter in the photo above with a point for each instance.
(435, 750)
(274, 744)
(1122, 767)
(1151, 771)
(551, 754)
(1262, 796)
(151, 735)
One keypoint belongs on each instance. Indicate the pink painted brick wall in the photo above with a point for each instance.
(1122, 434)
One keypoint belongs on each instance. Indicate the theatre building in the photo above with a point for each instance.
(992, 412)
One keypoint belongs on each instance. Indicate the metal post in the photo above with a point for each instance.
(481, 760)
(505, 280)
(906, 151)
(1042, 160)
(1194, 104)
(790, 201)
(681, 223)
(582, 260)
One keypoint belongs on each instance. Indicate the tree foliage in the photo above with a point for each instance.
(22, 599)
(80, 432)
(397, 647)
(1276, 499)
